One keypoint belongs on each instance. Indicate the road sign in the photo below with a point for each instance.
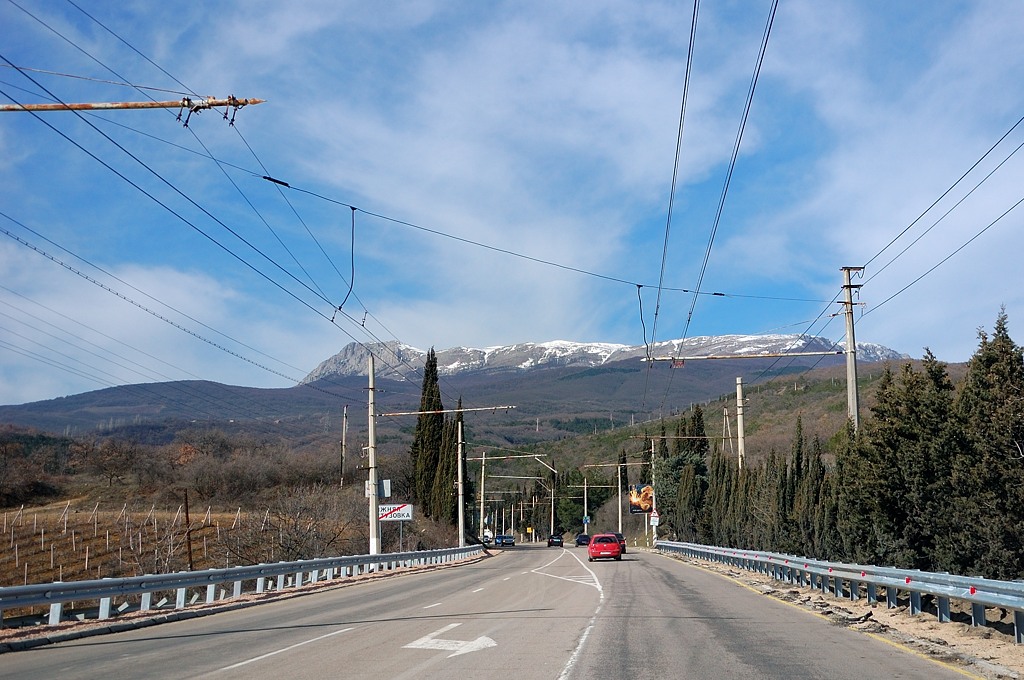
(655, 518)
(395, 513)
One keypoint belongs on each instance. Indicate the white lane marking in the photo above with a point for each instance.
(506, 578)
(592, 580)
(456, 646)
(285, 649)
(430, 606)
(478, 590)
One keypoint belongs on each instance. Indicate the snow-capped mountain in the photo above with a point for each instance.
(398, 358)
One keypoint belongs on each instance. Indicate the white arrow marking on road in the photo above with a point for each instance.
(456, 646)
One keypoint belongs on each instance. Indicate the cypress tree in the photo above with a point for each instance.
(427, 440)
(444, 495)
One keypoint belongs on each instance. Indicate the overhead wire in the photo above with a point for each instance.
(256, 157)
(208, 154)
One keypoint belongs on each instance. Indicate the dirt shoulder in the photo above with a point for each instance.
(988, 652)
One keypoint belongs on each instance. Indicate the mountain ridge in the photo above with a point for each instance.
(353, 359)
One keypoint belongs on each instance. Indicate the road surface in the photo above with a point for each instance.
(528, 612)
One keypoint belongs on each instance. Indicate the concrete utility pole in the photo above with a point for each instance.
(483, 476)
(740, 442)
(852, 399)
(462, 495)
(372, 483)
(344, 434)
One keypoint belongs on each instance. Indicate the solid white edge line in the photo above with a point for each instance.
(571, 663)
(279, 651)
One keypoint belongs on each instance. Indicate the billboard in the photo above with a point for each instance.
(641, 498)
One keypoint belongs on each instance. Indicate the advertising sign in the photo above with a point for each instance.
(641, 498)
(395, 513)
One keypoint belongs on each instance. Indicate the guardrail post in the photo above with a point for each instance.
(298, 579)
(943, 609)
(179, 601)
(211, 593)
(872, 593)
(915, 602)
(260, 584)
(104, 608)
(1018, 627)
(854, 591)
(237, 590)
(55, 611)
(280, 581)
(147, 602)
(891, 595)
(837, 583)
(978, 615)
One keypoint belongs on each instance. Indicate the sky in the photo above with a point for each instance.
(482, 174)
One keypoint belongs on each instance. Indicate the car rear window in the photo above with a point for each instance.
(605, 539)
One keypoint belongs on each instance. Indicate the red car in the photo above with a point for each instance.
(604, 545)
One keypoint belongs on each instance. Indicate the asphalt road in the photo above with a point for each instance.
(529, 612)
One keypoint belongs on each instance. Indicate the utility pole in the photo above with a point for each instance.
(483, 476)
(462, 498)
(852, 400)
(654, 496)
(372, 483)
(344, 433)
(740, 440)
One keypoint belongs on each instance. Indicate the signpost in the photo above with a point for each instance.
(400, 512)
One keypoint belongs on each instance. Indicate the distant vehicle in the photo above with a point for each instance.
(554, 539)
(503, 540)
(582, 539)
(621, 539)
(604, 545)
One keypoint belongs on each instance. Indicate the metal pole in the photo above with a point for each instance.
(462, 494)
(585, 513)
(372, 453)
(740, 444)
(619, 468)
(654, 497)
(552, 508)
(483, 469)
(852, 401)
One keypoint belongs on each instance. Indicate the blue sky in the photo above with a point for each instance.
(546, 131)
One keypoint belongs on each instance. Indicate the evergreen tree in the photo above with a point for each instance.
(857, 501)
(987, 523)
(444, 495)
(427, 439)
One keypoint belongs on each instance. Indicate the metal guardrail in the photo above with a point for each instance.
(846, 581)
(287, 574)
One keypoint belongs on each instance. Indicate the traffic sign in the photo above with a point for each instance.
(395, 513)
(655, 518)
